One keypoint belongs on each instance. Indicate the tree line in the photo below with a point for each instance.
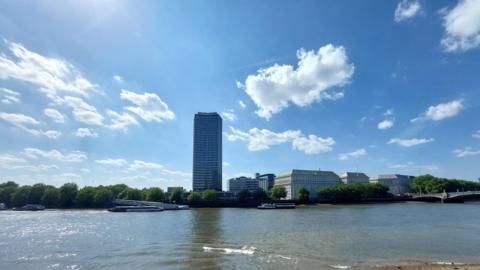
(354, 192)
(431, 184)
(69, 195)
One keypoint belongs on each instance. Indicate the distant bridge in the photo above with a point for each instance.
(447, 196)
(164, 206)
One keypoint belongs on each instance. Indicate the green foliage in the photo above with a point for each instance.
(155, 195)
(117, 189)
(353, 192)
(36, 193)
(6, 195)
(51, 197)
(244, 195)
(279, 192)
(303, 194)
(21, 195)
(260, 195)
(177, 195)
(9, 184)
(194, 197)
(68, 194)
(85, 197)
(131, 194)
(103, 197)
(209, 195)
(431, 184)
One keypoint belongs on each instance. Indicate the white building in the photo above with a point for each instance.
(397, 184)
(241, 183)
(353, 177)
(313, 181)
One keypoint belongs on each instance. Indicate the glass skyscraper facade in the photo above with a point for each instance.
(207, 152)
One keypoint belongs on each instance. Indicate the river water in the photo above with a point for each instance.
(313, 237)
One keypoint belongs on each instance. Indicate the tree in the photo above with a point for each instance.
(117, 189)
(303, 194)
(21, 195)
(177, 195)
(353, 192)
(260, 195)
(103, 197)
(51, 197)
(6, 195)
(155, 195)
(68, 194)
(36, 193)
(279, 192)
(131, 194)
(210, 195)
(244, 195)
(194, 197)
(9, 184)
(85, 197)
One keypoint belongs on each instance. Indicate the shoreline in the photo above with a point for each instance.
(431, 266)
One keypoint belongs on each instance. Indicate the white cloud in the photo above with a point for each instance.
(86, 132)
(82, 111)
(412, 167)
(55, 115)
(52, 75)
(22, 121)
(139, 164)
(385, 124)
(229, 115)
(8, 96)
(118, 78)
(273, 88)
(263, 139)
(440, 111)
(389, 112)
(112, 162)
(466, 152)
(462, 26)
(150, 107)
(225, 163)
(242, 104)
(407, 9)
(75, 156)
(120, 121)
(409, 142)
(476, 135)
(312, 144)
(355, 154)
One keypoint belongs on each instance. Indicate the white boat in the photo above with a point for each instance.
(145, 208)
(2, 206)
(276, 206)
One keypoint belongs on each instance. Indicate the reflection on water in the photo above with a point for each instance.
(325, 237)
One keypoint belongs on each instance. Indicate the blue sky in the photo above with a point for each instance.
(103, 92)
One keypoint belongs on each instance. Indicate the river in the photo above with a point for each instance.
(313, 237)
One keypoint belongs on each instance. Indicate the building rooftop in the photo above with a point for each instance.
(308, 172)
(352, 174)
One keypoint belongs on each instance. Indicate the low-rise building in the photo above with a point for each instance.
(311, 180)
(265, 181)
(353, 177)
(241, 183)
(397, 184)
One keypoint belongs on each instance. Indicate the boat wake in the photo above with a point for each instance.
(244, 250)
(341, 266)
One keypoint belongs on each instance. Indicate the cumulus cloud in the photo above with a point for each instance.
(440, 111)
(74, 156)
(139, 165)
(409, 142)
(150, 107)
(82, 111)
(312, 144)
(229, 115)
(8, 96)
(51, 75)
(118, 78)
(55, 115)
(263, 139)
(466, 152)
(355, 154)
(112, 162)
(120, 121)
(242, 104)
(385, 124)
(275, 87)
(462, 27)
(476, 135)
(24, 122)
(86, 132)
(407, 9)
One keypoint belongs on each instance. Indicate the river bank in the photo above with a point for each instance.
(432, 266)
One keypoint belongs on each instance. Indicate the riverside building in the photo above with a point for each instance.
(353, 177)
(397, 184)
(265, 181)
(312, 180)
(207, 152)
(242, 183)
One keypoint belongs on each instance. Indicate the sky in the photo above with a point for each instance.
(104, 92)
